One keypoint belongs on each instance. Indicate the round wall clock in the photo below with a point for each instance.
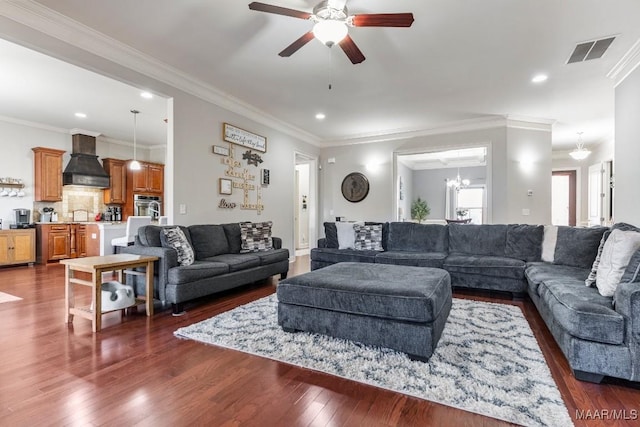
(355, 187)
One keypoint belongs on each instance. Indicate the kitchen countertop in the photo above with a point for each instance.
(83, 222)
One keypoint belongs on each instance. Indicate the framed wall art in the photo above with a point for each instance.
(225, 186)
(355, 187)
(222, 151)
(243, 137)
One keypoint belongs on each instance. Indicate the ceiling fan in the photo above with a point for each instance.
(331, 25)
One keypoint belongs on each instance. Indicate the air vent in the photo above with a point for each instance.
(590, 50)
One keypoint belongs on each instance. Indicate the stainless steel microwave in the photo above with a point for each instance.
(147, 206)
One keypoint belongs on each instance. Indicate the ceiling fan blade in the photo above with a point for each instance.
(383, 20)
(353, 52)
(293, 47)
(269, 8)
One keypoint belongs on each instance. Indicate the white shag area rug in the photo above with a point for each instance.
(4, 297)
(487, 361)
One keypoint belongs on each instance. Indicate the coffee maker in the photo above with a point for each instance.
(23, 218)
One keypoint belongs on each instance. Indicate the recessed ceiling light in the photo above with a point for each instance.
(539, 78)
(81, 115)
(320, 116)
(146, 95)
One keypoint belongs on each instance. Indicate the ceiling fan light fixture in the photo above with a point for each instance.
(330, 32)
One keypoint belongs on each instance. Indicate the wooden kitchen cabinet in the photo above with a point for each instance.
(17, 246)
(117, 191)
(48, 174)
(60, 241)
(148, 180)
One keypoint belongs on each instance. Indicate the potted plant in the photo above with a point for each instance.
(420, 210)
(462, 213)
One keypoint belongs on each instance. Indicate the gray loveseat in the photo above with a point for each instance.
(599, 336)
(218, 265)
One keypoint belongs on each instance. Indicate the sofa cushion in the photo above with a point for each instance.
(232, 232)
(616, 254)
(255, 236)
(272, 256)
(582, 311)
(485, 265)
(576, 246)
(174, 237)
(524, 242)
(208, 240)
(416, 259)
(368, 237)
(342, 255)
(149, 235)
(538, 272)
(237, 262)
(196, 271)
(485, 239)
(412, 237)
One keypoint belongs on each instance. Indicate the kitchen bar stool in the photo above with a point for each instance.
(133, 223)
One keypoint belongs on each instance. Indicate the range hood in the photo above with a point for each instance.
(84, 167)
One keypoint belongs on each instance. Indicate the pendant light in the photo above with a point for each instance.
(135, 164)
(458, 182)
(579, 153)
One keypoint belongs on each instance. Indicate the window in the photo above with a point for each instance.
(472, 199)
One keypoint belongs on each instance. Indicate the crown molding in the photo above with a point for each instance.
(629, 62)
(488, 122)
(61, 27)
(35, 125)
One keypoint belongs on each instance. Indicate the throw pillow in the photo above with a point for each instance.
(331, 235)
(255, 236)
(617, 252)
(549, 243)
(591, 280)
(368, 237)
(176, 239)
(346, 235)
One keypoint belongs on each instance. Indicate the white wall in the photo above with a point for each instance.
(528, 168)
(507, 182)
(626, 161)
(303, 211)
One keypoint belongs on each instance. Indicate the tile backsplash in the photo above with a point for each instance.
(73, 198)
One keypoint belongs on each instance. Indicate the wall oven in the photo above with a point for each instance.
(147, 206)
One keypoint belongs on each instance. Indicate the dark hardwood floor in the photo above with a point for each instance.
(136, 372)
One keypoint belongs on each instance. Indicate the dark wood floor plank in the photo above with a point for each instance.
(135, 371)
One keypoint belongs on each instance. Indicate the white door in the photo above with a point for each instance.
(599, 193)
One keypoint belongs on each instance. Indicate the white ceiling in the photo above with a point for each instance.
(460, 61)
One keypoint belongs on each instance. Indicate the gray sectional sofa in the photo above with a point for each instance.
(219, 265)
(599, 336)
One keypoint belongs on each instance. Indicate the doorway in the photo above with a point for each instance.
(305, 204)
(563, 197)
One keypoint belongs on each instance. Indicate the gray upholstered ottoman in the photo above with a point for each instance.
(399, 307)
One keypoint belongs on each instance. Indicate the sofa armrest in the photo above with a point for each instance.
(167, 258)
(277, 242)
(627, 303)
(322, 242)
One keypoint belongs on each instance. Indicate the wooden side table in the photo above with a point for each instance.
(122, 264)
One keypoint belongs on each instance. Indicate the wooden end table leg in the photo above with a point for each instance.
(149, 288)
(68, 295)
(97, 300)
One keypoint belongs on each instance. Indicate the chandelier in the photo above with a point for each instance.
(458, 183)
(579, 153)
